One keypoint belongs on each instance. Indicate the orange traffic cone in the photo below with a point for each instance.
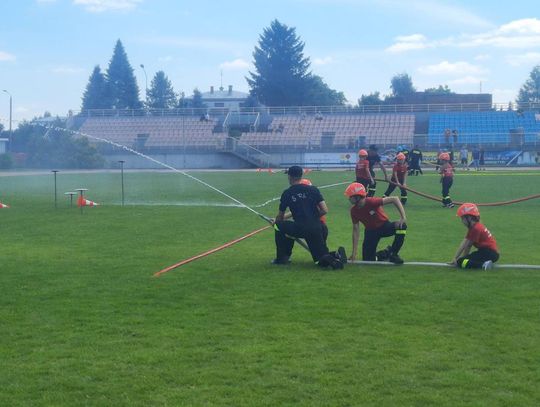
(3, 205)
(85, 202)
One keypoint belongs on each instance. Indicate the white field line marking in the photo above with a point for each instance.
(435, 264)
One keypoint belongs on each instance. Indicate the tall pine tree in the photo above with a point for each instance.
(530, 91)
(281, 69)
(95, 95)
(282, 76)
(123, 90)
(161, 93)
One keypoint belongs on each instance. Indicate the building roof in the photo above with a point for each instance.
(225, 94)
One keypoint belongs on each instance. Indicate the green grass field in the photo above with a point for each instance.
(83, 322)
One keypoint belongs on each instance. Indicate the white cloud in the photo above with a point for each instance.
(409, 43)
(517, 34)
(167, 58)
(5, 56)
(98, 6)
(66, 70)
(238, 63)
(524, 33)
(449, 68)
(523, 26)
(529, 58)
(323, 61)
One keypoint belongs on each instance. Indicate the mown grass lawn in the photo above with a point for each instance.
(83, 322)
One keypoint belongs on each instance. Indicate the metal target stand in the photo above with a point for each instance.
(70, 194)
(81, 195)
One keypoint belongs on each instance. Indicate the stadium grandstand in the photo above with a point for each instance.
(278, 136)
(486, 128)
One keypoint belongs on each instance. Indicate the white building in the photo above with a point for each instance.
(221, 98)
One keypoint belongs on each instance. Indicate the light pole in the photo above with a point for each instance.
(55, 199)
(122, 178)
(145, 83)
(10, 117)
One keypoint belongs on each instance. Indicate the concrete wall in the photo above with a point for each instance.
(178, 161)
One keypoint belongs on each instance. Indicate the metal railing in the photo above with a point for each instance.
(313, 110)
(251, 153)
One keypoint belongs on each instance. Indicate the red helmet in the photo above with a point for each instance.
(363, 153)
(444, 156)
(400, 156)
(305, 181)
(355, 189)
(468, 209)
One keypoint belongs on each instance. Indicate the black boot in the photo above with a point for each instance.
(394, 258)
(383, 255)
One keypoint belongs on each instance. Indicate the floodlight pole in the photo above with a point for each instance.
(145, 84)
(55, 197)
(122, 178)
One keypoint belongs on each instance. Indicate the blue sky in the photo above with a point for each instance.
(48, 48)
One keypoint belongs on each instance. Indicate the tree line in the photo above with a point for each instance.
(282, 77)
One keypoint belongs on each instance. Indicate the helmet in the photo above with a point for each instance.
(468, 209)
(362, 153)
(444, 156)
(400, 156)
(355, 189)
(305, 181)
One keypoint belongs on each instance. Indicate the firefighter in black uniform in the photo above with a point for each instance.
(415, 160)
(307, 205)
(374, 158)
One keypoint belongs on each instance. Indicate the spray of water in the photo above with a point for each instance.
(241, 204)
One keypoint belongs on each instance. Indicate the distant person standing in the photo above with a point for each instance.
(399, 178)
(447, 179)
(454, 136)
(415, 160)
(450, 152)
(363, 175)
(464, 157)
(374, 158)
(481, 159)
(447, 134)
(476, 158)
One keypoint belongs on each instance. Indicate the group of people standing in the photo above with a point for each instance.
(478, 160)
(308, 212)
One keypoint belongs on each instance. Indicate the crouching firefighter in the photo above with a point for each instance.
(478, 236)
(370, 212)
(307, 205)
